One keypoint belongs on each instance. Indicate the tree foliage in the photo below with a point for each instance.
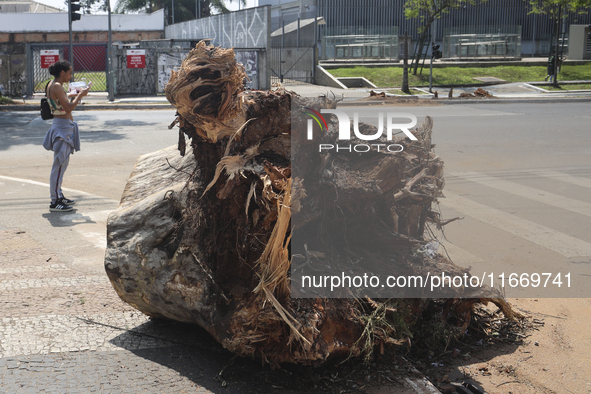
(553, 7)
(91, 6)
(427, 11)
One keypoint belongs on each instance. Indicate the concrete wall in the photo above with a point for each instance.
(241, 29)
(18, 29)
(291, 36)
(87, 36)
(58, 22)
(246, 30)
(579, 46)
(324, 78)
(135, 81)
(53, 27)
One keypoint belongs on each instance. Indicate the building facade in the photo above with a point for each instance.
(492, 16)
(26, 36)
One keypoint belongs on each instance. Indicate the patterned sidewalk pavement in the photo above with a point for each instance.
(65, 332)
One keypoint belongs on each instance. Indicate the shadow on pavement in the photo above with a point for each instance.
(195, 354)
(67, 219)
(27, 128)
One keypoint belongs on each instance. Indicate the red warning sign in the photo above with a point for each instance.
(136, 58)
(48, 57)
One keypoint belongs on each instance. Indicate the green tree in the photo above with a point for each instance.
(91, 6)
(427, 11)
(184, 10)
(557, 9)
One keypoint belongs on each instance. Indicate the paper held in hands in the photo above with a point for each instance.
(76, 87)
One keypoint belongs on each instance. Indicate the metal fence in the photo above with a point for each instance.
(292, 65)
(170, 53)
(356, 42)
(536, 29)
(483, 42)
(90, 64)
(13, 70)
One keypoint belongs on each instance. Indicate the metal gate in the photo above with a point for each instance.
(90, 64)
(292, 65)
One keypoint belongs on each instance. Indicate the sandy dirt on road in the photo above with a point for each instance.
(555, 356)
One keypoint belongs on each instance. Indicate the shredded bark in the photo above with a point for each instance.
(238, 209)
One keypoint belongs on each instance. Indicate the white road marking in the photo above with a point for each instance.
(458, 255)
(30, 182)
(555, 200)
(540, 235)
(563, 177)
(91, 225)
(34, 268)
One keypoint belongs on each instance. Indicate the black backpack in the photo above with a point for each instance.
(45, 108)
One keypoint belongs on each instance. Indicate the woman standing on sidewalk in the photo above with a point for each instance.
(63, 138)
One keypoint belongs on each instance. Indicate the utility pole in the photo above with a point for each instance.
(405, 88)
(110, 75)
(556, 59)
(73, 6)
(431, 69)
(435, 54)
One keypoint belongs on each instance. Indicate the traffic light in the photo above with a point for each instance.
(435, 52)
(75, 6)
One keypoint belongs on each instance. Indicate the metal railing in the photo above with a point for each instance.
(90, 64)
(483, 42)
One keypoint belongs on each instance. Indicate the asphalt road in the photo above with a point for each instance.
(111, 142)
(518, 174)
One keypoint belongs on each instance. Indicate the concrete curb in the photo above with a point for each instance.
(92, 107)
(352, 102)
(405, 100)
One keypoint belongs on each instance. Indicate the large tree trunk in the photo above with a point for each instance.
(203, 236)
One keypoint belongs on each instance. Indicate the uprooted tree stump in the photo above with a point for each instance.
(202, 234)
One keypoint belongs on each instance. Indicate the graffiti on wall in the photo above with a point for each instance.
(135, 81)
(13, 75)
(166, 63)
(169, 61)
(243, 29)
(249, 61)
(13, 69)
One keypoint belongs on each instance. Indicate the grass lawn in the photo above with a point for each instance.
(98, 79)
(5, 100)
(392, 76)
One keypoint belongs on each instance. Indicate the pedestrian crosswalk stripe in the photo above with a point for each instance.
(546, 237)
(555, 200)
(563, 177)
(458, 255)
